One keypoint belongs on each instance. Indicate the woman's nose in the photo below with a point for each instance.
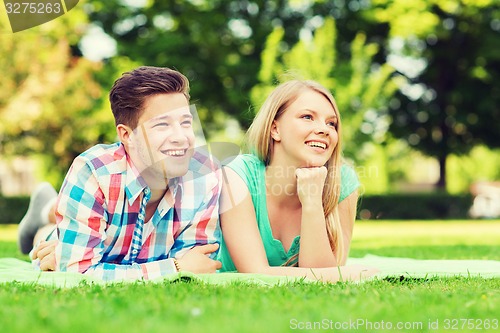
(321, 128)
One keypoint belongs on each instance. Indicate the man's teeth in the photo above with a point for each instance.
(176, 152)
(316, 144)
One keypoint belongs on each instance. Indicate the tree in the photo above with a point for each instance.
(361, 91)
(218, 43)
(453, 102)
(51, 102)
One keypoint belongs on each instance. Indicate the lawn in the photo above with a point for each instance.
(461, 304)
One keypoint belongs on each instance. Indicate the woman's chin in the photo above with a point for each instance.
(314, 164)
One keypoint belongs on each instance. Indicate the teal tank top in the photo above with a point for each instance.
(252, 171)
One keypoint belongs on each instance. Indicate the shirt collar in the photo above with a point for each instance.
(134, 184)
(169, 199)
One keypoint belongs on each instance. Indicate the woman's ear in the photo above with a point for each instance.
(275, 134)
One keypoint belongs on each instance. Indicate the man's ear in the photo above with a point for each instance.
(275, 134)
(124, 134)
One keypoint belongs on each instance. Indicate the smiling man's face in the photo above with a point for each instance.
(162, 144)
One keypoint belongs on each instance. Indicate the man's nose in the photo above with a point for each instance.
(177, 134)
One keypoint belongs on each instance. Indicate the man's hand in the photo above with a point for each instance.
(46, 253)
(196, 260)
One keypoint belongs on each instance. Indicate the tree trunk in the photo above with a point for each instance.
(441, 184)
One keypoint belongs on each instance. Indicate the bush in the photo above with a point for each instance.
(389, 206)
(414, 206)
(12, 209)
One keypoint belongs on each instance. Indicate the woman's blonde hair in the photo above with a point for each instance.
(260, 143)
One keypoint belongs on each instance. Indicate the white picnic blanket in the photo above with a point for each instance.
(12, 269)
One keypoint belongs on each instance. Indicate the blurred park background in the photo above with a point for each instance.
(417, 83)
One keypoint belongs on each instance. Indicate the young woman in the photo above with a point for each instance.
(292, 201)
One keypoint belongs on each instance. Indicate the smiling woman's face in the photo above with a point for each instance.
(305, 135)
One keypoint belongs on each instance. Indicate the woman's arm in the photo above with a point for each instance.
(239, 225)
(317, 233)
(244, 243)
(347, 214)
(315, 250)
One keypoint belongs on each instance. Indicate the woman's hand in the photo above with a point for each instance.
(356, 273)
(310, 183)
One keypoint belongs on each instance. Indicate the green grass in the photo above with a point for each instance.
(196, 307)
(428, 239)
(8, 242)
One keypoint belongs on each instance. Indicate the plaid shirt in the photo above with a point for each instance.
(101, 210)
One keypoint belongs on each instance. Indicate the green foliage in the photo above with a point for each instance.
(361, 91)
(219, 44)
(216, 44)
(375, 171)
(13, 209)
(452, 104)
(408, 18)
(396, 167)
(414, 206)
(481, 164)
(426, 206)
(52, 104)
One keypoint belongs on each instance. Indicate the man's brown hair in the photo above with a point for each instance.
(130, 91)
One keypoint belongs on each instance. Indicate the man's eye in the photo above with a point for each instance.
(161, 125)
(186, 123)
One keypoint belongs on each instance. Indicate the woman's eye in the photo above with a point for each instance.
(332, 124)
(307, 116)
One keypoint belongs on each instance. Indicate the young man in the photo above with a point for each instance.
(146, 206)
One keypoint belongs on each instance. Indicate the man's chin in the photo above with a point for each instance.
(175, 173)
(161, 172)
(174, 170)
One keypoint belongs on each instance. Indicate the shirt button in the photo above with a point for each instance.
(146, 191)
(134, 251)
